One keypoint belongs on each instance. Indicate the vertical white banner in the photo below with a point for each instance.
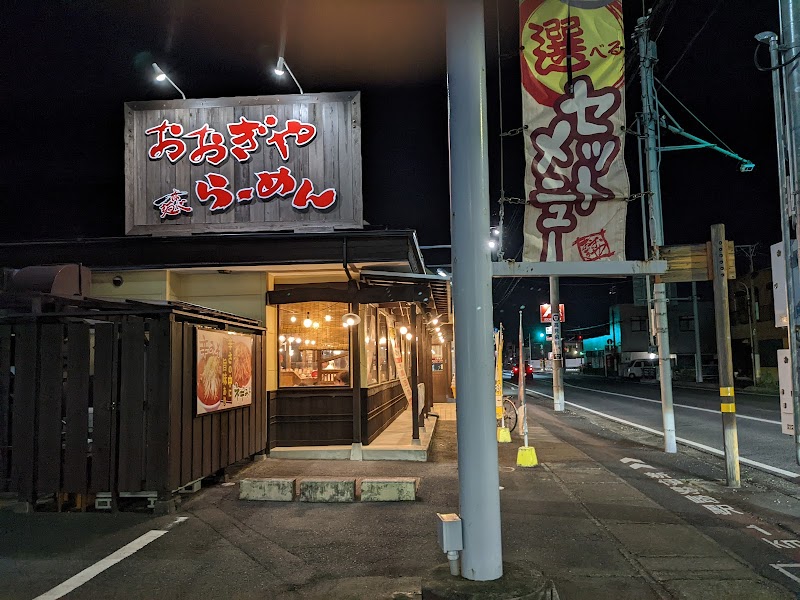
(573, 76)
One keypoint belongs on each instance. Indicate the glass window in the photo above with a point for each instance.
(369, 314)
(438, 357)
(685, 323)
(313, 346)
(638, 323)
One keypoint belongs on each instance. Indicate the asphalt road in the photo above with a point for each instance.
(697, 417)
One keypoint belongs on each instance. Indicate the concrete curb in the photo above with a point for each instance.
(329, 489)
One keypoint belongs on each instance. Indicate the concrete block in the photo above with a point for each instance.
(327, 490)
(389, 489)
(273, 489)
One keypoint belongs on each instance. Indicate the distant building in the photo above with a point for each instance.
(769, 338)
(629, 337)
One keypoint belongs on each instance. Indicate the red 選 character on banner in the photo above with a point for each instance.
(570, 157)
(171, 146)
(303, 133)
(243, 137)
(305, 196)
(210, 146)
(278, 183)
(551, 49)
(172, 204)
(215, 188)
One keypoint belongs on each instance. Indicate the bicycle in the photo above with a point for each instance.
(509, 415)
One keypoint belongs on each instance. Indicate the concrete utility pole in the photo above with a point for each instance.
(558, 358)
(647, 60)
(790, 74)
(752, 311)
(788, 179)
(722, 319)
(479, 480)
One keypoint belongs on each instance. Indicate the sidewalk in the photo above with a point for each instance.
(587, 529)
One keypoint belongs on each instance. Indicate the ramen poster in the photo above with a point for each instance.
(224, 367)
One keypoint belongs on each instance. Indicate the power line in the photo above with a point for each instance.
(694, 38)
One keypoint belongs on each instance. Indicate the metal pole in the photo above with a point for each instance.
(558, 357)
(750, 327)
(412, 322)
(722, 319)
(790, 46)
(479, 481)
(523, 406)
(647, 57)
(648, 284)
(698, 357)
(787, 210)
(754, 323)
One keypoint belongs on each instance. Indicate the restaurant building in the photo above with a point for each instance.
(251, 209)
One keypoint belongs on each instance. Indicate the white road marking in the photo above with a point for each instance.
(716, 412)
(763, 531)
(698, 445)
(94, 570)
(782, 569)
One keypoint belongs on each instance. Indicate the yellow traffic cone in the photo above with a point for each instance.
(526, 457)
(503, 435)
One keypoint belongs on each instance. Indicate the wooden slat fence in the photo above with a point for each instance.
(99, 405)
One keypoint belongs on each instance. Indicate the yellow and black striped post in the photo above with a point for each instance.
(720, 271)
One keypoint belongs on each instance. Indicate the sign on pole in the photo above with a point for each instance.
(546, 313)
(695, 262)
(573, 106)
(257, 163)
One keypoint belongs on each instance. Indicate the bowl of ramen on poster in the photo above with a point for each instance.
(223, 370)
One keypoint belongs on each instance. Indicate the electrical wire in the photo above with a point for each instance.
(694, 38)
(776, 67)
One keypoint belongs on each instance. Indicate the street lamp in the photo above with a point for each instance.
(282, 67)
(161, 76)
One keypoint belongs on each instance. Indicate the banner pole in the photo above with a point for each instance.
(478, 475)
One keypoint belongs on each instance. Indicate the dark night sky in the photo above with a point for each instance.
(69, 66)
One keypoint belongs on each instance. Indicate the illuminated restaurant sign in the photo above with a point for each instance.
(260, 163)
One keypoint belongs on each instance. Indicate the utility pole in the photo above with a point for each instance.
(788, 182)
(478, 476)
(790, 73)
(558, 358)
(752, 312)
(790, 46)
(647, 61)
(722, 320)
(698, 357)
